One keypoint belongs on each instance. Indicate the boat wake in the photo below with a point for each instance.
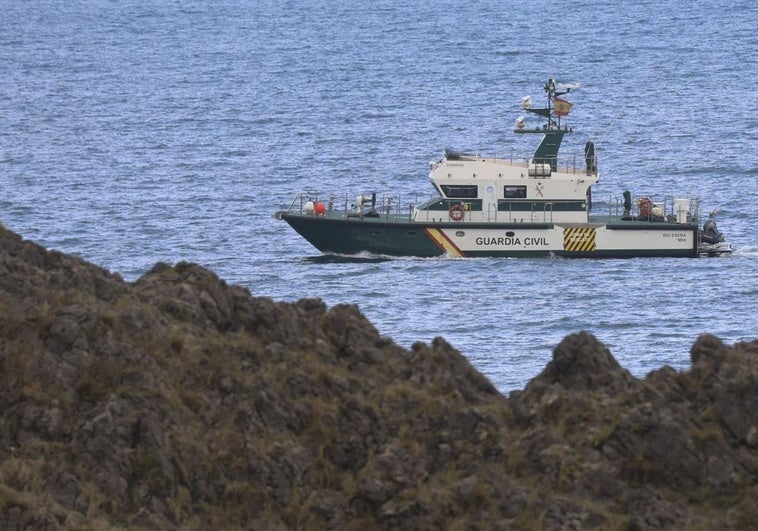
(345, 258)
(750, 251)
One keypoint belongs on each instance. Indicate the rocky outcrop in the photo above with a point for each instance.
(179, 402)
(658, 450)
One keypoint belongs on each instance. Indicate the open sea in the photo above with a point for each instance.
(134, 132)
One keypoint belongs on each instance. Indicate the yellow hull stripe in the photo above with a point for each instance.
(443, 242)
(580, 239)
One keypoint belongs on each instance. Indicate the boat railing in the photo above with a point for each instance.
(379, 205)
(573, 164)
(648, 208)
(547, 209)
(545, 215)
(389, 206)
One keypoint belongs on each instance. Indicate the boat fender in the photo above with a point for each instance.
(590, 160)
(627, 202)
(456, 212)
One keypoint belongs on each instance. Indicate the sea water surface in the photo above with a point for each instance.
(137, 132)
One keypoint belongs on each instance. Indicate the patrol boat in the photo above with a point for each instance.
(507, 207)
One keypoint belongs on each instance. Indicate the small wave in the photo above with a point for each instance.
(376, 116)
(345, 258)
(366, 256)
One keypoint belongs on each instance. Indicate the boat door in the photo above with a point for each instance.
(489, 202)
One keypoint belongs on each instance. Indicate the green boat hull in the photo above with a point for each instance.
(395, 236)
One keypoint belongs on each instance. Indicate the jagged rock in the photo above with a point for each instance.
(582, 363)
(180, 402)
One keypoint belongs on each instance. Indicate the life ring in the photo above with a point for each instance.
(456, 212)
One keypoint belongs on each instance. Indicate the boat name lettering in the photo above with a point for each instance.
(680, 236)
(455, 164)
(507, 240)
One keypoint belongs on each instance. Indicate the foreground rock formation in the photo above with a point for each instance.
(179, 402)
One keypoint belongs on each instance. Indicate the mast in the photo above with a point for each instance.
(553, 131)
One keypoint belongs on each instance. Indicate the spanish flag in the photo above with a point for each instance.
(561, 107)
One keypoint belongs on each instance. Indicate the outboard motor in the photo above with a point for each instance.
(711, 233)
(711, 241)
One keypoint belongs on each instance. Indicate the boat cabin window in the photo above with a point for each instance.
(514, 192)
(460, 191)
